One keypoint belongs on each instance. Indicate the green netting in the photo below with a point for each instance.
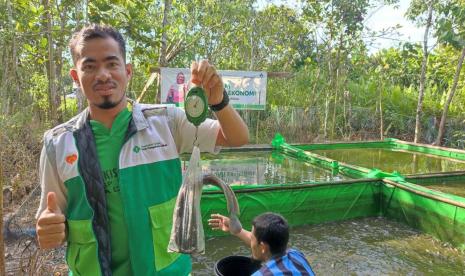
(438, 151)
(300, 204)
(394, 160)
(313, 204)
(444, 220)
(315, 159)
(449, 185)
(455, 156)
(388, 143)
(375, 193)
(436, 177)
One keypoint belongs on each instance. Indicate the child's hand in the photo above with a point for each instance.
(219, 222)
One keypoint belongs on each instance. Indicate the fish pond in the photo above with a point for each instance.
(404, 162)
(348, 244)
(448, 185)
(262, 167)
(456, 187)
(368, 246)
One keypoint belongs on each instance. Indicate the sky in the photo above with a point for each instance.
(380, 18)
(389, 16)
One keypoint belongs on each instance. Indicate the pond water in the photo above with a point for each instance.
(369, 246)
(455, 187)
(262, 167)
(393, 160)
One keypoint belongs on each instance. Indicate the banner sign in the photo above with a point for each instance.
(246, 89)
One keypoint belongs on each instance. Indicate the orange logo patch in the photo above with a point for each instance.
(70, 159)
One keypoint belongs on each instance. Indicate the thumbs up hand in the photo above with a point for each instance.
(51, 224)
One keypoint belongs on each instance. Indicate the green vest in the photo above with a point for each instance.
(149, 179)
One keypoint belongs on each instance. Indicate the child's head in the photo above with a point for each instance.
(270, 234)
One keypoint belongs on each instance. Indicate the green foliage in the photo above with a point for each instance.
(68, 107)
(20, 138)
(451, 23)
(39, 93)
(296, 91)
(333, 76)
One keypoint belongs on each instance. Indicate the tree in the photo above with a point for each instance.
(451, 31)
(341, 23)
(2, 243)
(424, 64)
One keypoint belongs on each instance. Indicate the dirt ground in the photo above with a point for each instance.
(22, 256)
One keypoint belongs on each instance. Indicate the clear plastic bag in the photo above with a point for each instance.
(187, 235)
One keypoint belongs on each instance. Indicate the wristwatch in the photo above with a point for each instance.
(219, 106)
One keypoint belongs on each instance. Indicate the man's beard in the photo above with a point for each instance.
(108, 104)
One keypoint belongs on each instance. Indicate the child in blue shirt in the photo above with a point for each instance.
(268, 241)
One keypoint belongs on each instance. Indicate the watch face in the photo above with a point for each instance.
(194, 106)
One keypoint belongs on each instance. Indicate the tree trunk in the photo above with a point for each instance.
(80, 99)
(14, 93)
(337, 74)
(349, 113)
(336, 90)
(257, 127)
(147, 85)
(15, 98)
(61, 91)
(423, 74)
(4, 70)
(50, 64)
(6, 61)
(9, 65)
(313, 99)
(327, 95)
(2, 243)
(450, 95)
(252, 48)
(163, 49)
(325, 123)
(381, 120)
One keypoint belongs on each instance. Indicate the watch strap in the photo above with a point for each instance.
(219, 106)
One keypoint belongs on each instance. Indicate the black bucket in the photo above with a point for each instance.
(236, 266)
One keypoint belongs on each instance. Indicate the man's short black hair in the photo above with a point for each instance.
(96, 31)
(272, 229)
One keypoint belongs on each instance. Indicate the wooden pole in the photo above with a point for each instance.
(2, 243)
(146, 86)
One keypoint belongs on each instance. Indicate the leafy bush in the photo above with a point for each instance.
(21, 145)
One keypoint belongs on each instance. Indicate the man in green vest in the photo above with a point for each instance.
(110, 175)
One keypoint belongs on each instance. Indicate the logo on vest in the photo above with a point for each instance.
(70, 159)
(137, 149)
